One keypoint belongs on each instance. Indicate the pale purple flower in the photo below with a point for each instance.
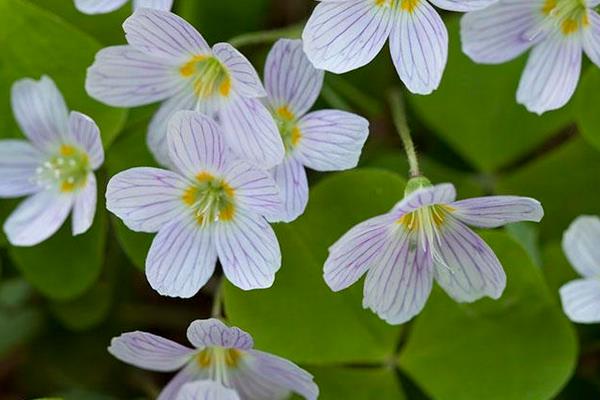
(343, 35)
(168, 60)
(55, 167)
(106, 6)
(557, 31)
(326, 140)
(222, 362)
(425, 236)
(212, 205)
(581, 244)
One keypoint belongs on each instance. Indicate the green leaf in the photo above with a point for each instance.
(475, 110)
(557, 269)
(588, 98)
(300, 317)
(86, 311)
(35, 42)
(520, 347)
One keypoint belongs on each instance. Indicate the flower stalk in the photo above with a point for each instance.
(399, 117)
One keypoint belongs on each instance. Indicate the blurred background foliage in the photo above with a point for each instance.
(62, 301)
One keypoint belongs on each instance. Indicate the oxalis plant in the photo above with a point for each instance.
(256, 200)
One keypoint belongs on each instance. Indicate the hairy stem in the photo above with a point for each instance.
(399, 117)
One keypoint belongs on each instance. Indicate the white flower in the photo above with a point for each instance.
(55, 169)
(327, 140)
(106, 6)
(581, 244)
(342, 35)
(559, 31)
(167, 59)
(223, 363)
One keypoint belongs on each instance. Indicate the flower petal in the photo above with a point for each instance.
(465, 266)
(291, 180)
(40, 111)
(148, 351)
(189, 373)
(206, 390)
(290, 78)
(251, 133)
(84, 206)
(463, 5)
(581, 245)
(248, 251)
(155, 4)
(581, 300)
(181, 259)
(591, 37)
(331, 140)
(443, 193)
(419, 47)
(356, 251)
(495, 211)
(86, 135)
(146, 199)
(18, 163)
(212, 332)
(245, 78)
(98, 6)
(123, 76)
(346, 35)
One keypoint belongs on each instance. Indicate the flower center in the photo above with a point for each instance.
(68, 170)
(288, 128)
(405, 5)
(208, 75)
(217, 360)
(571, 16)
(211, 199)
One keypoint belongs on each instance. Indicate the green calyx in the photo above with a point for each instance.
(416, 183)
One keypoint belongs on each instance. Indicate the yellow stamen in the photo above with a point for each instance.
(66, 150)
(409, 5)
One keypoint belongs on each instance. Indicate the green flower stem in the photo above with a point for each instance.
(399, 117)
(262, 37)
(217, 307)
(334, 99)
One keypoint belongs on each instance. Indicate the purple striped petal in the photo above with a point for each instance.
(248, 251)
(84, 206)
(190, 373)
(155, 4)
(206, 390)
(438, 194)
(331, 140)
(591, 37)
(290, 78)
(151, 352)
(581, 300)
(495, 211)
(581, 245)
(18, 163)
(463, 5)
(292, 182)
(164, 34)
(181, 259)
(356, 251)
(465, 266)
(98, 6)
(85, 134)
(345, 35)
(37, 218)
(40, 111)
(146, 199)
(266, 376)
(245, 78)
(419, 47)
(195, 144)
(123, 76)
(214, 333)
(251, 133)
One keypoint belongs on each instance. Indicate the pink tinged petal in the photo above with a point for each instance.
(495, 211)
(248, 251)
(591, 37)
(155, 4)
(98, 6)
(419, 47)
(84, 206)
(266, 376)
(190, 373)
(124, 76)
(463, 5)
(465, 266)
(195, 144)
(164, 34)
(37, 218)
(40, 111)
(181, 259)
(331, 140)
(214, 333)
(206, 390)
(581, 300)
(146, 199)
(438, 194)
(581, 244)
(18, 163)
(355, 252)
(85, 134)
(291, 179)
(151, 352)
(290, 78)
(251, 133)
(245, 78)
(502, 31)
(346, 35)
